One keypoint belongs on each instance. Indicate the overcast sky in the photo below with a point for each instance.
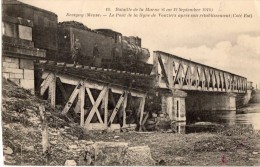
(231, 44)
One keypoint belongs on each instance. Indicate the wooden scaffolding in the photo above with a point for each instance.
(83, 89)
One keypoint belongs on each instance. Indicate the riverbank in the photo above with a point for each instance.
(234, 145)
(230, 145)
(250, 107)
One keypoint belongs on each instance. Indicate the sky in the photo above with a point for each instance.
(231, 44)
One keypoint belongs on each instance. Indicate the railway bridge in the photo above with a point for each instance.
(100, 98)
(193, 86)
(110, 99)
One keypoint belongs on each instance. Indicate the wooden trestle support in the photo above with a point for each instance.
(82, 90)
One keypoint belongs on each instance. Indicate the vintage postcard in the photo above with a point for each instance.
(130, 83)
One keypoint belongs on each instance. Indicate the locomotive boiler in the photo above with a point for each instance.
(114, 50)
(132, 46)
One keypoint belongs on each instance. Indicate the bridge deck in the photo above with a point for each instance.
(135, 81)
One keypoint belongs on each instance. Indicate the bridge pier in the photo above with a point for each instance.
(174, 105)
(203, 101)
(179, 106)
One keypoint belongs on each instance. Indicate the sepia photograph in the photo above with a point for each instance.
(130, 83)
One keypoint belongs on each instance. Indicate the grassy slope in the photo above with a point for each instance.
(22, 133)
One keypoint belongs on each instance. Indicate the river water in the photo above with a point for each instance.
(249, 115)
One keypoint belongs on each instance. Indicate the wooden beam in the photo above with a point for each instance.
(63, 91)
(141, 108)
(142, 127)
(93, 102)
(77, 107)
(45, 84)
(94, 85)
(117, 90)
(124, 111)
(105, 106)
(95, 106)
(45, 74)
(70, 80)
(145, 118)
(52, 91)
(71, 99)
(82, 103)
(121, 99)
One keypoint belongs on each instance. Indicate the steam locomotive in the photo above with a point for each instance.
(115, 50)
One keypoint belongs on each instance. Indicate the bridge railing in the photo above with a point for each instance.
(178, 73)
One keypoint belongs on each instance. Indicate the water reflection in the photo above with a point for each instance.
(249, 115)
(221, 117)
(249, 118)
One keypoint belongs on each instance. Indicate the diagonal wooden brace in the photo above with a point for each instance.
(145, 118)
(72, 98)
(121, 99)
(95, 106)
(45, 84)
(93, 102)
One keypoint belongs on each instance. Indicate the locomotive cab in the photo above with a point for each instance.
(115, 61)
(110, 33)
